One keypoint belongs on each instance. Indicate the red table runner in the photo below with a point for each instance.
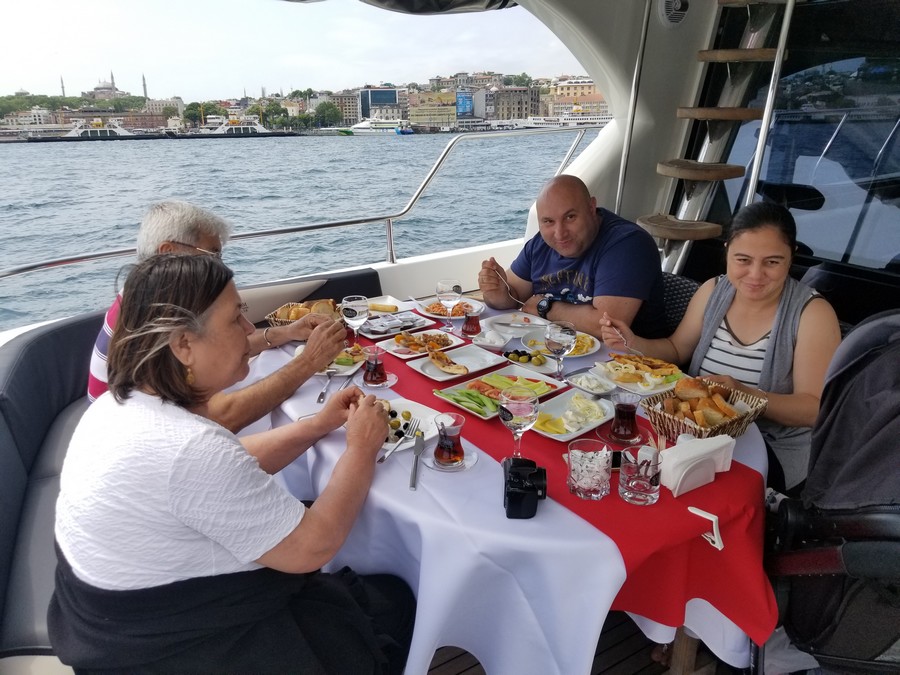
(666, 559)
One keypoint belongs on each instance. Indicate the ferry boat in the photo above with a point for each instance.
(98, 129)
(372, 125)
(245, 125)
(701, 98)
(560, 121)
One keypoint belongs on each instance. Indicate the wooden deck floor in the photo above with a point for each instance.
(622, 650)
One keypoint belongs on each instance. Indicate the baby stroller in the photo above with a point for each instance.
(834, 555)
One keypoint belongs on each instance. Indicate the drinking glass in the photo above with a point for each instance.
(518, 412)
(355, 310)
(448, 291)
(624, 428)
(374, 374)
(559, 339)
(449, 450)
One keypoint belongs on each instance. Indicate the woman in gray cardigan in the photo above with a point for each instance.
(757, 330)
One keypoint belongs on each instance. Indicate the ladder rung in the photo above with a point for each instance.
(737, 55)
(745, 3)
(728, 114)
(689, 169)
(666, 226)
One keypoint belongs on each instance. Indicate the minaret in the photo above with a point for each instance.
(62, 85)
(144, 80)
(112, 80)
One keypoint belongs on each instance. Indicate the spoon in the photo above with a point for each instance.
(329, 373)
(508, 289)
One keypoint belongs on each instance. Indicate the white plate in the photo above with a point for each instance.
(604, 386)
(411, 322)
(547, 368)
(511, 370)
(529, 322)
(470, 356)
(537, 336)
(558, 405)
(385, 300)
(479, 340)
(476, 304)
(600, 369)
(390, 345)
(425, 415)
(428, 460)
(342, 371)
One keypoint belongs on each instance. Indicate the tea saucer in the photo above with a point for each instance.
(389, 382)
(640, 439)
(468, 462)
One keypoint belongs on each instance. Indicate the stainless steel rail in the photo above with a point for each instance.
(388, 219)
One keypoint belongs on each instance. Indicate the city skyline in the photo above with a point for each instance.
(230, 47)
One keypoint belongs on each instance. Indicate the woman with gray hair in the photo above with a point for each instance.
(186, 229)
(177, 550)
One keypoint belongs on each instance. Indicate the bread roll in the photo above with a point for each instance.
(688, 387)
(323, 307)
(298, 313)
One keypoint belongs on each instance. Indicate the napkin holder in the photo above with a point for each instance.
(694, 463)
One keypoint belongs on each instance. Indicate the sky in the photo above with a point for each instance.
(217, 49)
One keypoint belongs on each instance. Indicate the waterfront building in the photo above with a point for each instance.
(575, 87)
(433, 109)
(36, 115)
(348, 103)
(156, 106)
(393, 98)
(591, 104)
(516, 103)
(128, 119)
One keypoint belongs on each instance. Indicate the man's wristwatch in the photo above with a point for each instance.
(544, 305)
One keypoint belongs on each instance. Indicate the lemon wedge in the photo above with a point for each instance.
(550, 424)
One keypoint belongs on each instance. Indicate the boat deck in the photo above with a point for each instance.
(622, 650)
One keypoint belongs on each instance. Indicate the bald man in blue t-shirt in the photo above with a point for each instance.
(586, 261)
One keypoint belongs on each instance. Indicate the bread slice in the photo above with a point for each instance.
(723, 405)
(445, 363)
(689, 387)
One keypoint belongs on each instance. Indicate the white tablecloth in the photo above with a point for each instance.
(523, 596)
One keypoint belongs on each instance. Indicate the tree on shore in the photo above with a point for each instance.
(328, 114)
(192, 111)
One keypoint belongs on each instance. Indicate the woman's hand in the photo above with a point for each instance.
(302, 328)
(614, 333)
(367, 425)
(731, 383)
(336, 410)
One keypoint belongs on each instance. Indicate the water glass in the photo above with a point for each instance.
(518, 411)
(355, 312)
(448, 292)
(639, 480)
(449, 450)
(559, 339)
(590, 466)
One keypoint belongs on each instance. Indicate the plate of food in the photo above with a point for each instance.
(584, 344)
(400, 412)
(531, 359)
(447, 365)
(590, 382)
(481, 395)
(513, 323)
(406, 345)
(572, 414)
(639, 374)
(385, 325)
(432, 308)
(347, 362)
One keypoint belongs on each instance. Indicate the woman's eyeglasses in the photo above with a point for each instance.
(217, 254)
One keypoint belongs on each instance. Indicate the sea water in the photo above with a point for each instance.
(70, 199)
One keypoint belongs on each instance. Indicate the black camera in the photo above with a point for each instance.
(524, 482)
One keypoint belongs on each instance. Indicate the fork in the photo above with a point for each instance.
(329, 373)
(408, 435)
(625, 343)
(508, 289)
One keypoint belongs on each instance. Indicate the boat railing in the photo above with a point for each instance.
(388, 219)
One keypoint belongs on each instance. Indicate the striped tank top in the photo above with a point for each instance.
(729, 356)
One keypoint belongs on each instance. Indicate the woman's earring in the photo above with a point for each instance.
(189, 377)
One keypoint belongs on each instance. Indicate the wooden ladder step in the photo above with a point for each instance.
(689, 169)
(666, 226)
(737, 55)
(727, 114)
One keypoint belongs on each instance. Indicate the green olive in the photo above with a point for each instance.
(395, 423)
(406, 415)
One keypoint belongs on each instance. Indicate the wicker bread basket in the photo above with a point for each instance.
(670, 426)
(310, 305)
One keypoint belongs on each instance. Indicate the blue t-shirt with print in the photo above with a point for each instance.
(622, 261)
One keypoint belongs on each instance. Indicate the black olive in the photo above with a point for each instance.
(405, 426)
(392, 414)
(399, 434)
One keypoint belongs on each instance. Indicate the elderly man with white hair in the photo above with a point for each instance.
(180, 227)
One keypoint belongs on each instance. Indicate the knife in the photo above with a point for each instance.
(418, 448)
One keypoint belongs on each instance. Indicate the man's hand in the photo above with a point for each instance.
(367, 425)
(325, 342)
(496, 287)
